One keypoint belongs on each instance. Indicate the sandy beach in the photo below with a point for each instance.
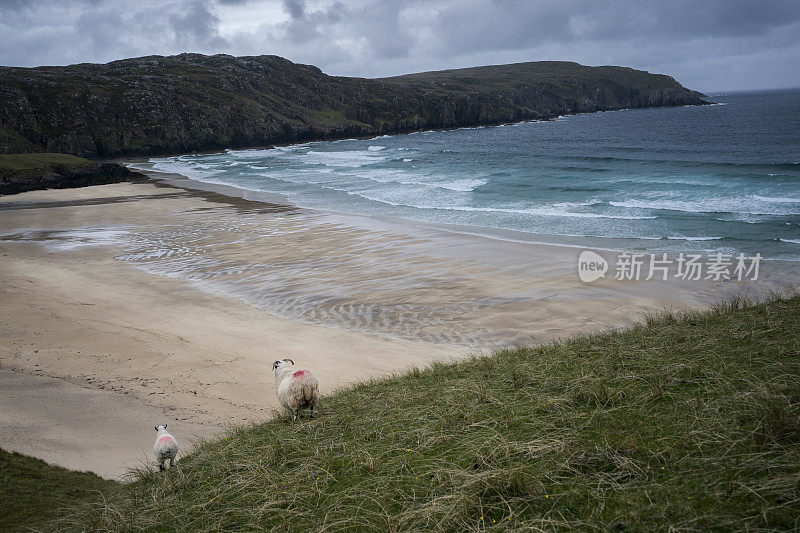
(129, 305)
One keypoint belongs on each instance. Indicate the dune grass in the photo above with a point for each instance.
(32, 491)
(689, 421)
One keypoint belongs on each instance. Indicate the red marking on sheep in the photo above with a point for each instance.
(165, 439)
(299, 374)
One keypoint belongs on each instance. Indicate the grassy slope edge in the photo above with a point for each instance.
(33, 491)
(687, 421)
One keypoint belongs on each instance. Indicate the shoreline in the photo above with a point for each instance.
(488, 237)
(174, 179)
(174, 300)
(480, 232)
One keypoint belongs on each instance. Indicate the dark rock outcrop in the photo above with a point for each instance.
(191, 102)
(66, 177)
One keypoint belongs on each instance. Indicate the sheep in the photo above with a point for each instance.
(166, 447)
(296, 389)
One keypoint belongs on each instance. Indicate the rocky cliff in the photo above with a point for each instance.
(191, 102)
(29, 172)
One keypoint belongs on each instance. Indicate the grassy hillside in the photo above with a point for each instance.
(35, 165)
(192, 102)
(686, 422)
(32, 492)
(12, 142)
(563, 73)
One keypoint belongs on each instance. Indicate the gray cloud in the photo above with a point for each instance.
(196, 26)
(705, 44)
(296, 8)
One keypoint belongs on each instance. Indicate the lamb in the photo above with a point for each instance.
(166, 447)
(296, 389)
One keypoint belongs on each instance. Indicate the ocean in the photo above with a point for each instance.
(718, 178)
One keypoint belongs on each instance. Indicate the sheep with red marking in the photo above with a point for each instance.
(296, 389)
(166, 447)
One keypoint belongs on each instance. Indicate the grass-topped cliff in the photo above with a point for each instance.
(685, 422)
(32, 171)
(192, 102)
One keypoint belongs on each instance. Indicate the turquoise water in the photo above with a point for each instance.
(724, 177)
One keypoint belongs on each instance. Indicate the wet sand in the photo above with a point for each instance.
(128, 305)
(84, 428)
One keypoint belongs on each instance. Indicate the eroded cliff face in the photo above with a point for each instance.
(191, 102)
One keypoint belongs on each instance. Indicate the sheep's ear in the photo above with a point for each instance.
(165, 426)
(289, 361)
(155, 427)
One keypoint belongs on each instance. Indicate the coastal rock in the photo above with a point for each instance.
(58, 176)
(192, 102)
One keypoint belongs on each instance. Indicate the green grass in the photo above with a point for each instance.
(34, 165)
(689, 421)
(31, 491)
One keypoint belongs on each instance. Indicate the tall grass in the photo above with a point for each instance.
(32, 491)
(689, 421)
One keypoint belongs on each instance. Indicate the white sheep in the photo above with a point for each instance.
(296, 389)
(166, 447)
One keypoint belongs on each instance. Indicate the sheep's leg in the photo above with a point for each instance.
(171, 462)
(161, 465)
(311, 414)
(294, 415)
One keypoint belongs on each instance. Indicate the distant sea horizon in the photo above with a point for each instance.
(705, 179)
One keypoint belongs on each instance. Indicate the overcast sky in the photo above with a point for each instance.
(708, 45)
